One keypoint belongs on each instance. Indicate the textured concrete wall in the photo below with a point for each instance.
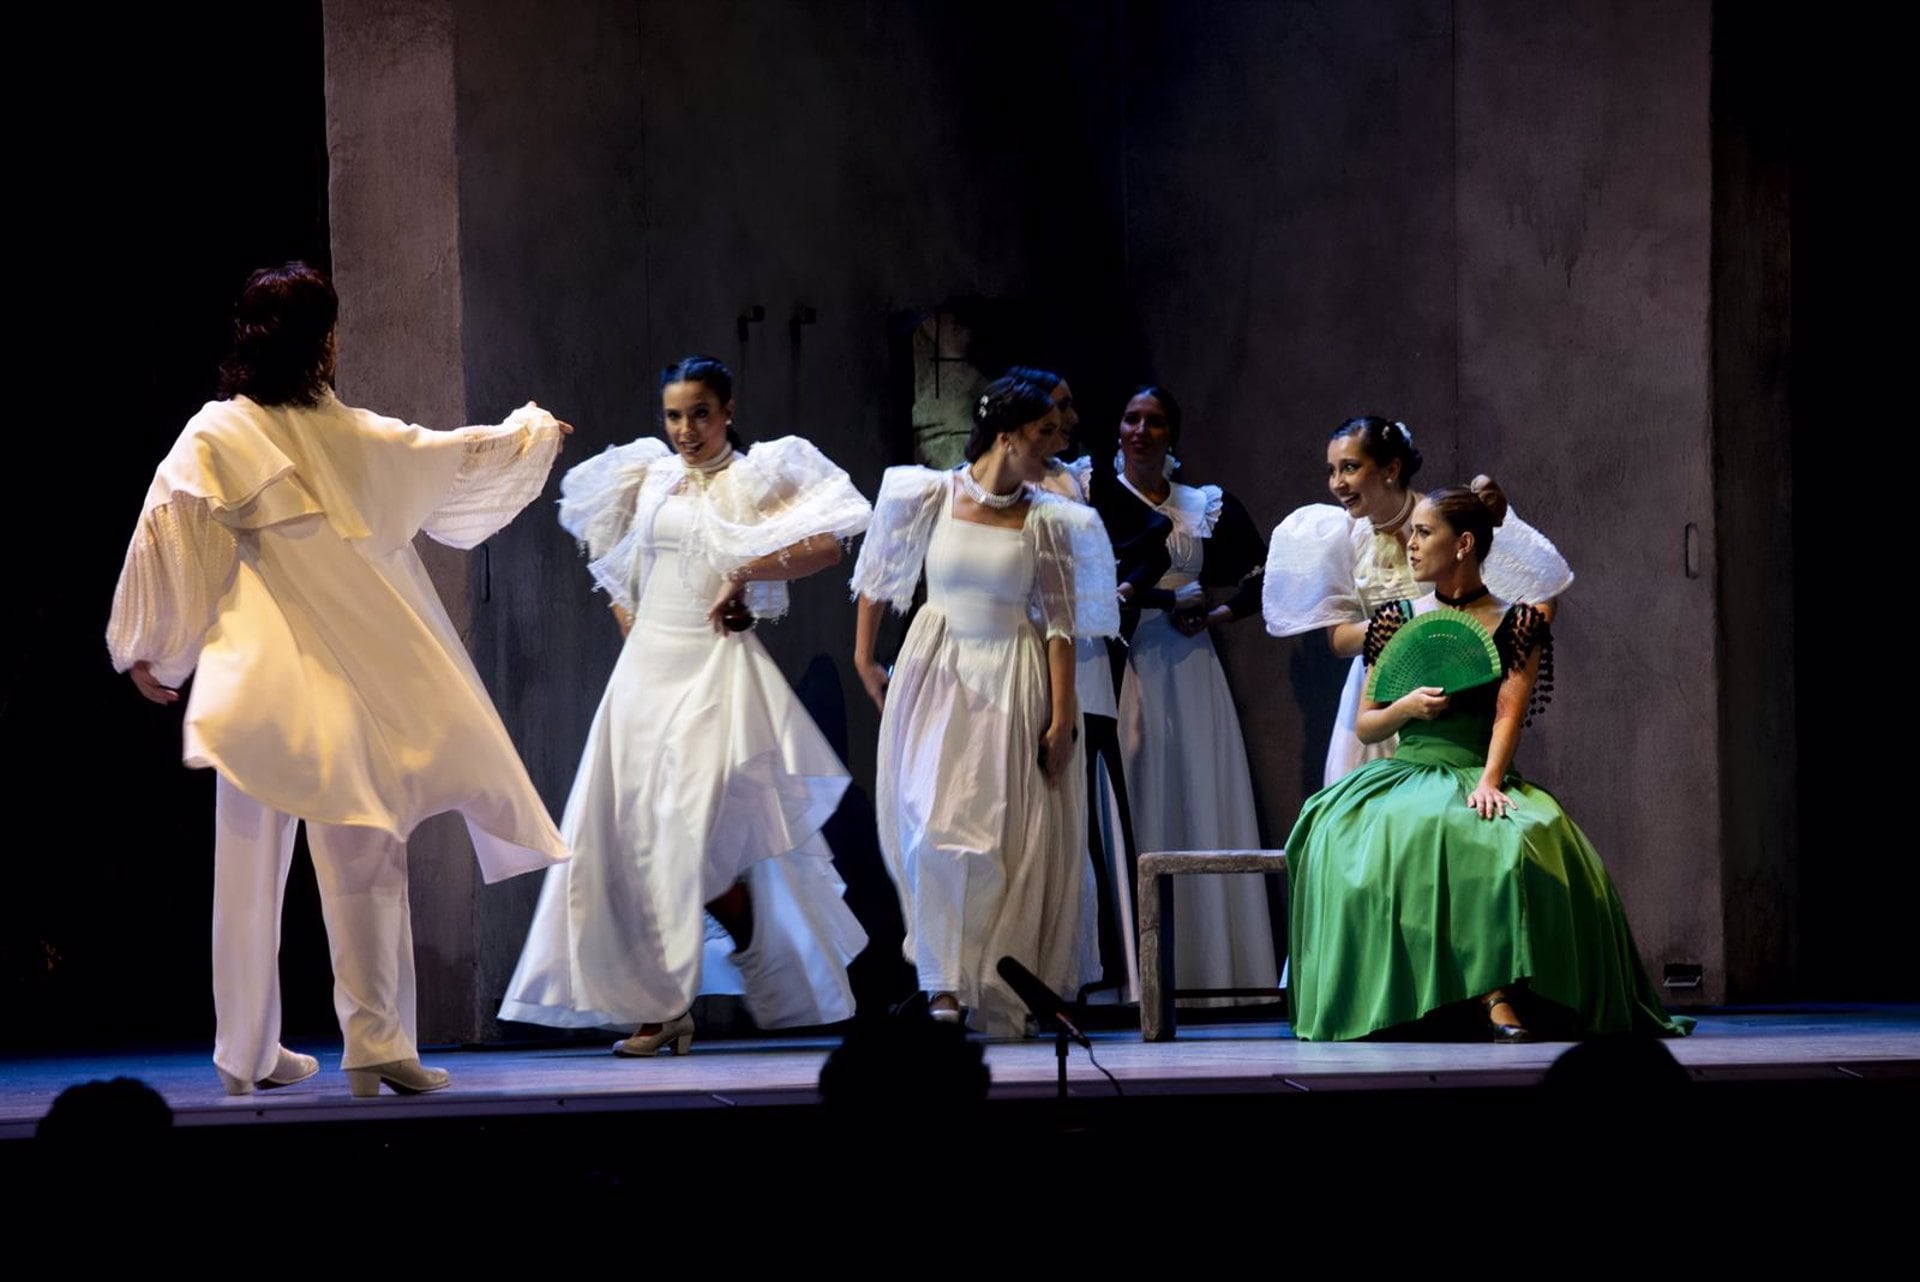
(1584, 227)
(1491, 221)
(395, 227)
(1290, 226)
(555, 302)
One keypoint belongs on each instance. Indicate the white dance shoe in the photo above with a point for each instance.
(677, 1031)
(404, 1076)
(290, 1067)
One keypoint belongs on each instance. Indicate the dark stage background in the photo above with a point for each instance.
(1643, 262)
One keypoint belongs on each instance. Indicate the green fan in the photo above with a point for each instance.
(1445, 648)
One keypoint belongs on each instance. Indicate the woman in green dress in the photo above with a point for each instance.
(1437, 880)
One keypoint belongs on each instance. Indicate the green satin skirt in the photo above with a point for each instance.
(1405, 901)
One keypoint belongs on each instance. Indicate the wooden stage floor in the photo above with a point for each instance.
(1830, 1045)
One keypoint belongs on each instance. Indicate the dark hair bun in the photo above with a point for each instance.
(1488, 491)
(1385, 441)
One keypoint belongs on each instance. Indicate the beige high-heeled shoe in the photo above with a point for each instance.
(951, 1013)
(290, 1067)
(678, 1031)
(405, 1076)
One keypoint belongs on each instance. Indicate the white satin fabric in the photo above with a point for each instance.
(701, 769)
(989, 859)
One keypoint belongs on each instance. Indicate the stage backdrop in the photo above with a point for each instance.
(1494, 221)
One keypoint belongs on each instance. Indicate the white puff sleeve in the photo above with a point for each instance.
(1309, 579)
(1523, 565)
(1074, 587)
(782, 492)
(895, 549)
(597, 501)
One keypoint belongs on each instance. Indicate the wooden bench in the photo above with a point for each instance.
(1158, 868)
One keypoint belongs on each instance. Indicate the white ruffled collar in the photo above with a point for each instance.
(1193, 509)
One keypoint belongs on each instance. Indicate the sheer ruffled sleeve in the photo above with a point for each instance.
(597, 502)
(1386, 621)
(782, 492)
(178, 567)
(597, 496)
(895, 549)
(1523, 631)
(1309, 579)
(502, 469)
(1074, 587)
(1071, 478)
(1523, 564)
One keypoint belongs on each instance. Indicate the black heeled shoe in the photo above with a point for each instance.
(1504, 1034)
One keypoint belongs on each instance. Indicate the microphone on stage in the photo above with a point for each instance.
(1041, 1000)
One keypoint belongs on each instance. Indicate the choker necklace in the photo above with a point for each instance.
(1399, 518)
(978, 492)
(1466, 598)
(713, 464)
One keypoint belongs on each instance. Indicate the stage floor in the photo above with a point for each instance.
(1802, 1045)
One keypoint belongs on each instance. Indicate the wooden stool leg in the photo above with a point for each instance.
(1156, 959)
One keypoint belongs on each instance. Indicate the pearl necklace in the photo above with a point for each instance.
(978, 492)
(1399, 518)
(713, 464)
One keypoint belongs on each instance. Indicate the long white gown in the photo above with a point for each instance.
(1325, 567)
(989, 859)
(1187, 773)
(701, 767)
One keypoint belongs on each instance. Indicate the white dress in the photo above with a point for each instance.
(274, 560)
(989, 859)
(1092, 669)
(701, 767)
(1325, 567)
(1187, 772)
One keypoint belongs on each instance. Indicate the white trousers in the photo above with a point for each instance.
(363, 896)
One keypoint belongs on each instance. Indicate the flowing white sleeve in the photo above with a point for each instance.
(783, 492)
(895, 549)
(597, 501)
(1074, 586)
(178, 566)
(1309, 579)
(1524, 566)
(502, 469)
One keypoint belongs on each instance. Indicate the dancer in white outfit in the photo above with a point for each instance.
(704, 783)
(275, 557)
(1186, 761)
(1332, 567)
(980, 768)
